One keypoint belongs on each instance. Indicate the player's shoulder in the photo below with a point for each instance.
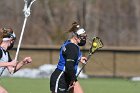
(72, 45)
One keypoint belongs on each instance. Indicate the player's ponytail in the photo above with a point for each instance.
(75, 27)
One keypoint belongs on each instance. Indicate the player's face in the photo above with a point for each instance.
(82, 39)
(11, 44)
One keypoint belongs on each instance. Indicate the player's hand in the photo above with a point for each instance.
(72, 84)
(27, 60)
(83, 60)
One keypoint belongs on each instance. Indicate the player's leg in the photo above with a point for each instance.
(53, 80)
(62, 84)
(58, 82)
(78, 88)
(2, 90)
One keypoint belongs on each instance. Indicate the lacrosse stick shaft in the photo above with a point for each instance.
(26, 10)
(21, 36)
(19, 44)
(89, 55)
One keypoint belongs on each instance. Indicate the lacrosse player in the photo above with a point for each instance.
(64, 76)
(7, 39)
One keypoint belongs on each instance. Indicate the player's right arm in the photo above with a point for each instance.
(71, 54)
(6, 64)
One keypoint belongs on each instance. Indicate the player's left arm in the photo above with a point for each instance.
(71, 54)
(20, 64)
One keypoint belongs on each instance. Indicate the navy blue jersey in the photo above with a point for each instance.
(62, 60)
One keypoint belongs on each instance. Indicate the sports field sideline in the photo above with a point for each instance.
(93, 85)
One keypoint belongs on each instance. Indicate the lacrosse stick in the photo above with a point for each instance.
(27, 13)
(95, 45)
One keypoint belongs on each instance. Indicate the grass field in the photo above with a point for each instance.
(94, 85)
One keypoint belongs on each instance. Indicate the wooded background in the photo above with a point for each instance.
(116, 22)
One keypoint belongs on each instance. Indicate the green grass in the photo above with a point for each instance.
(94, 85)
(110, 86)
